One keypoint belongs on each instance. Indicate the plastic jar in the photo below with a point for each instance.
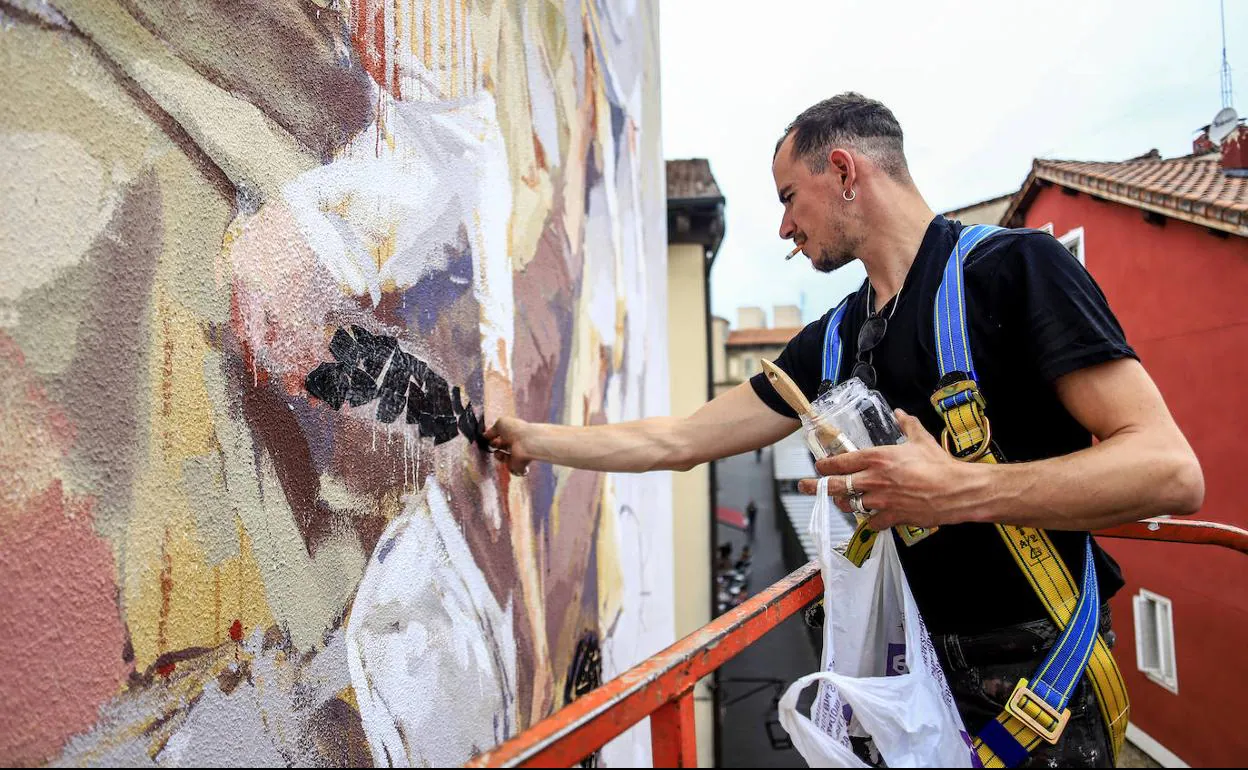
(849, 417)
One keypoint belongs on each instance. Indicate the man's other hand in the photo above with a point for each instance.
(916, 483)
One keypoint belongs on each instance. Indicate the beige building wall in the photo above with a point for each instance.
(988, 212)
(743, 363)
(691, 504)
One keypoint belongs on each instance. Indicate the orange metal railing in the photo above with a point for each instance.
(662, 686)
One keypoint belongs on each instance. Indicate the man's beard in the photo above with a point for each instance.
(831, 260)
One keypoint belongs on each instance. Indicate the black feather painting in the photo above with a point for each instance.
(370, 367)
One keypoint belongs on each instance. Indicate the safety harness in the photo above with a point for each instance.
(1036, 710)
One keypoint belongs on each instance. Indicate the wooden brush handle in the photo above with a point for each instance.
(825, 433)
(785, 386)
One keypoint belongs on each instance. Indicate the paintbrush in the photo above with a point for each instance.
(831, 439)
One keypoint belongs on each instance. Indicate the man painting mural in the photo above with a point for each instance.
(1053, 367)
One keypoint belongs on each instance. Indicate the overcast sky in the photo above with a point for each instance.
(980, 88)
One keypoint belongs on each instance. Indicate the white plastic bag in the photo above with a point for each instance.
(872, 630)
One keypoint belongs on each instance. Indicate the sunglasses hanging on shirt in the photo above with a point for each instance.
(869, 337)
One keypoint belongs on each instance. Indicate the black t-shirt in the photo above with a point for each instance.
(1033, 315)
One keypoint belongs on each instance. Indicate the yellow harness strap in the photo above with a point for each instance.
(1026, 717)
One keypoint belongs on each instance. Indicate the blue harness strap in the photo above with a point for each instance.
(953, 350)
(832, 348)
(1037, 708)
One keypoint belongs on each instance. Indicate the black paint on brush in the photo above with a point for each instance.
(371, 366)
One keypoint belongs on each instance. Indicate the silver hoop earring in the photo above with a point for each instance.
(849, 195)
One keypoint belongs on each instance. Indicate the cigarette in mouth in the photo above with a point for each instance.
(793, 253)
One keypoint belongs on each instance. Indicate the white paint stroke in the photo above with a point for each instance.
(431, 651)
(393, 217)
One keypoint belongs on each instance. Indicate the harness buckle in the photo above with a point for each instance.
(912, 535)
(980, 450)
(943, 399)
(956, 396)
(1027, 707)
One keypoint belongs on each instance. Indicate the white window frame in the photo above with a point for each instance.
(1075, 238)
(1154, 639)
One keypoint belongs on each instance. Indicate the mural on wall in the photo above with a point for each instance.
(266, 272)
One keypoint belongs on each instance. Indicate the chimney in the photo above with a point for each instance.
(751, 318)
(1235, 152)
(786, 316)
(1202, 144)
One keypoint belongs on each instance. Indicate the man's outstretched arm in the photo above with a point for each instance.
(738, 421)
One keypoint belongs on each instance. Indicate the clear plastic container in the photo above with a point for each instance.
(849, 417)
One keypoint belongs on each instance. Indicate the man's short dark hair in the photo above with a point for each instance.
(852, 120)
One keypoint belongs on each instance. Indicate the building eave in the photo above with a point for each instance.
(1211, 215)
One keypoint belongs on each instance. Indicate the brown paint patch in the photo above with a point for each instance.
(166, 593)
(467, 488)
(539, 153)
(277, 430)
(232, 676)
(166, 372)
(545, 295)
(568, 568)
(395, 53)
(106, 384)
(338, 734)
(276, 49)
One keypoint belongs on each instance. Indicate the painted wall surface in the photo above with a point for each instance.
(265, 271)
(1179, 293)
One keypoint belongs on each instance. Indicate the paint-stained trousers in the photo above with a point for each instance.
(982, 670)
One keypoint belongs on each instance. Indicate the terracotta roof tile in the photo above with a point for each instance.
(691, 179)
(738, 338)
(1191, 188)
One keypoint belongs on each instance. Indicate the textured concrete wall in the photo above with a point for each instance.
(265, 271)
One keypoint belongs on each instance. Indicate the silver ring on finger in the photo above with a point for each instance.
(855, 502)
(849, 486)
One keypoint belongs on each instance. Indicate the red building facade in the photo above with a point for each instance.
(1167, 240)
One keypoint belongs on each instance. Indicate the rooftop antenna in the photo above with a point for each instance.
(1226, 67)
(1227, 119)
